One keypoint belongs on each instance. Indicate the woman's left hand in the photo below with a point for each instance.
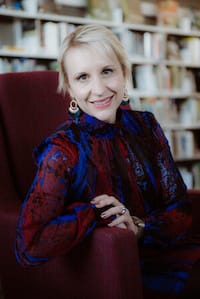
(123, 218)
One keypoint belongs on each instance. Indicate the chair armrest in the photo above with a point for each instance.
(108, 261)
(113, 253)
(194, 196)
(105, 265)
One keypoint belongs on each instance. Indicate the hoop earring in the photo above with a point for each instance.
(125, 99)
(73, 107)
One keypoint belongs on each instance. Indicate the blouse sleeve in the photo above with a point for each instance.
(50, 222)
(169, 223)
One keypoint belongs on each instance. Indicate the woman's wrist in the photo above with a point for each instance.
(140, 225)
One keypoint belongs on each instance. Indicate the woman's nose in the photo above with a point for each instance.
(98, 86)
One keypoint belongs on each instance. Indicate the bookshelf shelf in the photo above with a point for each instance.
(25, 54)
(163, 94)
(176, 127)
(80, 20)
(180, 63)
(54, 17)
(187, 159)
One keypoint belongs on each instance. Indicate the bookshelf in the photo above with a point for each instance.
(165, 63)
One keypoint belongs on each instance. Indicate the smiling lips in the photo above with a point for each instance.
(100, 104)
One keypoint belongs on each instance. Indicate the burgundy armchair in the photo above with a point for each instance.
(106, 265)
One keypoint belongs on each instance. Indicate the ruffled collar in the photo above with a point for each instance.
(95, 126)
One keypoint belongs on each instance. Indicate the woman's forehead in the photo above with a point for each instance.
(93, 50)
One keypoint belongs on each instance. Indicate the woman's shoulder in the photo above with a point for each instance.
(62, 133)
(141, 115)
(59, 140)
(144, 119)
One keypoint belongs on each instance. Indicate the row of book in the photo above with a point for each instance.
(183, 143)
(24, 65)
(191, 176)
(33, 37)
(142, 44)
(154, 45)
(186, 49)
(183, 112)
(36, 35)
(152, 78)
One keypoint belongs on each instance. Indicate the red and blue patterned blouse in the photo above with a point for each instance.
(130, 160)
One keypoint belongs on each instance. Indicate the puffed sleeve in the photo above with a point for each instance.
(169, 223)
(50, 222)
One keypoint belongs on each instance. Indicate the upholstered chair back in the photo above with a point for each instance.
(30, 109)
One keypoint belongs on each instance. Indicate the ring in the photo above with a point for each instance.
(123, 211)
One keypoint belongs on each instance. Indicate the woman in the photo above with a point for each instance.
(107, 166)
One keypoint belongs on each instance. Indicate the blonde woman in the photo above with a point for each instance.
(107, 166)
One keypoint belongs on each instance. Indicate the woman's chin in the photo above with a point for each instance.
(106, 116)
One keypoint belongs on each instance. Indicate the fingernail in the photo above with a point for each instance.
(103, 215)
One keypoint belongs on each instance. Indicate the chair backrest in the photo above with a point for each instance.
(30, 109)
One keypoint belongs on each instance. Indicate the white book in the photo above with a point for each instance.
(63, 31)
(157, 46)
(30, 41)
(185, 145)
(128, 39)
(196, 175)
(188, 113)
(17, 33)
(145, 78)
(187, 177)
(147, 43)
(51, 38)
(195, 50)
(76, 3)
(2, 66)
(163, 77)
(187, 81)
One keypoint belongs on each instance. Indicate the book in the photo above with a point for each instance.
(184, 143)
(145, 78)
(187, 176)
(188, 111)
(167, 12)
(190, 52)
(132, 11)
(51, 38)
(6, 34)
(196, 175)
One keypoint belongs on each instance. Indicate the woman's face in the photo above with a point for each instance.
(96, 80)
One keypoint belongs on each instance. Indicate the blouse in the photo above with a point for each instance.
(130, 160)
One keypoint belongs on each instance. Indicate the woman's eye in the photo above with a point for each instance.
(107, 71)
(82, 77)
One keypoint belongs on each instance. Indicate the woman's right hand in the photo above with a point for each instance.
(115, 209)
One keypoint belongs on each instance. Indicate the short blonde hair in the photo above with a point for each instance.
(96, 35)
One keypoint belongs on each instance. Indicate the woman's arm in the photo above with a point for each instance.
(50, 223)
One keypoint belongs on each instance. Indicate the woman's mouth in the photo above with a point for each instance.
(103, 103)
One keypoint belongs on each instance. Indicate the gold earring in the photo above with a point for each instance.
(73, 107)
